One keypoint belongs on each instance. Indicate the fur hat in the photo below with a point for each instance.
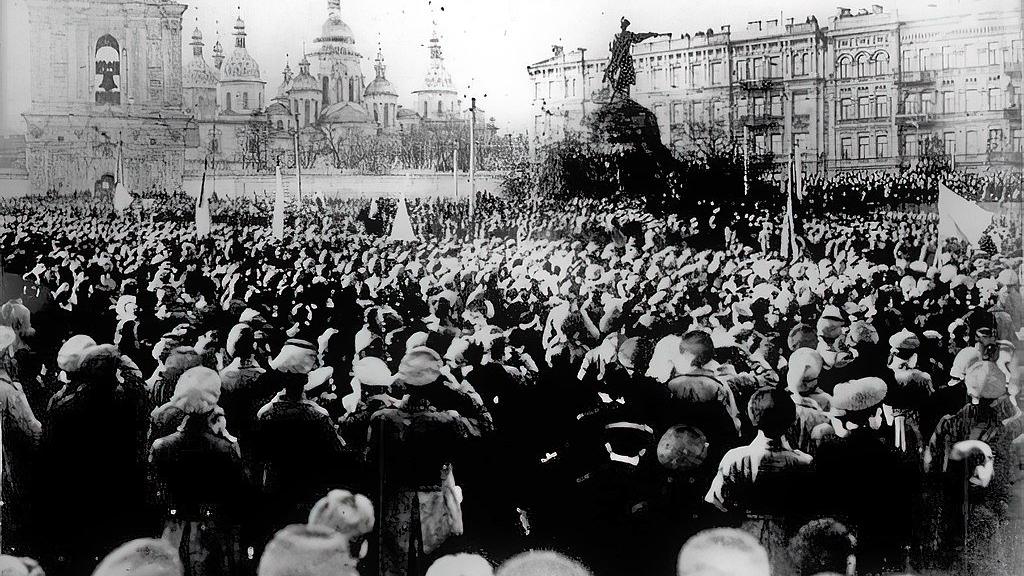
(69, 357)
(372, 371)
(963, 360)
(682, 448)
(419, 367)
(142, 557)
(296, 357)
(12, 566)
(237, 332)
(802, 336)
(318, 377)
(985, 380)
(860, 394)
(541, 563)
(804, 368)
(460, 565)
(863, 333)
(307, 550)
(197, 391)
(723, 551)
(904, 340)
(345, 512)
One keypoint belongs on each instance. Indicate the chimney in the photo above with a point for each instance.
(771, 23)
(876, 8)
(754, 25)
(789, 21)
(557, 50)
(844, 12)
(725, 29)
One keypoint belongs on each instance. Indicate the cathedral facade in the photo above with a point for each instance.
(110, 87)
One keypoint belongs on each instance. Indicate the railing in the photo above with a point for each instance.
(912, 76)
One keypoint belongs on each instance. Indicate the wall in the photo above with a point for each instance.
(347, 185)
(13, 183)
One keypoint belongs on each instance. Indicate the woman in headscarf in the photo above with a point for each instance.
(201, 483)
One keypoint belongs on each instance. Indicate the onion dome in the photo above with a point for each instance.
(197, 73)
(240, 65)
(380, 85)
(335, 29)
(304, 81)
(438, 79)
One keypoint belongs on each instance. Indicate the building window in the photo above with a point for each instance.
(881, 60)
(909, 60)
(376, 114)
(863, 147)
(245, 100)
(995, 99)
(922, 56)
(716, 72)
(536, 91)
(948, 102)
(758, 105)
(774, 70)
(947, 57)
(227, 104)
(927, 102)
(846, 109)
(993, 53)
(882, 146)
(864, 107)
(972, 142)
(910, 145)
(758, 68)
(108, 71)
(844, 67)
(280, 125)
(863, 68)
(995, 139)
(882, 106)
(846, 148)
(949, 142)
(440, 108)
(777, 144)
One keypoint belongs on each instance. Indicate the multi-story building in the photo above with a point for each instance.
(850, 95)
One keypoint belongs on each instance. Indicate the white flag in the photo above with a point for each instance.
(401, 229)
(961, 218)
(277, 223)
(122, 198)
(202, 211)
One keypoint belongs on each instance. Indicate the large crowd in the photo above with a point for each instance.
(530, 388)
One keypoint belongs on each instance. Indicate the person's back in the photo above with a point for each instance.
(412, 446)
(295, 443)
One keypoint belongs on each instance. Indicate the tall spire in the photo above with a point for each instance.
(333, 7)
(197, 43)
(435, 45)
(239, 33)
(379, 62)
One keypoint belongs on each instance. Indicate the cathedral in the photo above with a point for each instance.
(112, 100)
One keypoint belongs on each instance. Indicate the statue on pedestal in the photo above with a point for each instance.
(620, 74)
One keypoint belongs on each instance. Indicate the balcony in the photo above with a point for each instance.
(762, 84)
(760, 120)
(918, 76)
(914, 118)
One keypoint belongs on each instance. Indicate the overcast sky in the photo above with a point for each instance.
(487, 43)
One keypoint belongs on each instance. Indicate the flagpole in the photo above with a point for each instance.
(472, 165)
(298, 163)
(455, 168)
(746, 159)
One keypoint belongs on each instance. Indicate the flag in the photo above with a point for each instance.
(202, 210)
(122, 198)
(789, 247)
(401, 229)
(798, 172)
(961, 218)
(373, 208)
(277, 224)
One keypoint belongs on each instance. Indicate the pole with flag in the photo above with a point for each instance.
(203, 209)
(277, 223)
(960, 218)
(455, 168)
(298, 163)
(746, 159)
(788, 247)
(472, 165)
(798, 172)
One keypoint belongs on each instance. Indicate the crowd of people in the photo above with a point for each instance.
(530, 388)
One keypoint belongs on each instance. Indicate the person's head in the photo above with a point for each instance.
(723, 552)
(976, 460)
(297, 356)
(347, 513)
(461, 565)
(696, 349)
(985, 382)
(197, 391)
(982, 328)
(623, 23)
(854, 402)
(142, 557)
(17, 566)
(804, 368)
(240, 342)
(70, 355)
(771, 411)
(307, 550)
(541, 563)
(682, 449)
(18, 317)
(823, 545)
(802, 336)
(420, 366)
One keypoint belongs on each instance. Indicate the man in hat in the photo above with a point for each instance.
(862, 480)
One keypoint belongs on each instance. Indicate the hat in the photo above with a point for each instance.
(307, 550)
(919, 266)
(318, 377)
(460, 565)
(541, 563)
(963, 361)
(11, 566)
(804, 368)
(1008, 277)
(771, 410)
(863, 333)
(682, 448)
(69, 357)
(344, 512)
(723, 551)
(985, 380)
(197, 390)
(417, 339)
(296, 357)
(904, 340)
(860, 394)
(802, 336)
(372, 371)
(234, 335)
(419, 367)
(142, 557)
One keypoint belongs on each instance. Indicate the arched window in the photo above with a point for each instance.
(805, 64)
(326, 91)
(376, 114)
(352, 89)
(862, 66)
(108, 71)
(227, 103)
(440, 108)
(844, 66)
(881, 61)
(424, 110)
(280, 125)
(245, 100)
(305, 110)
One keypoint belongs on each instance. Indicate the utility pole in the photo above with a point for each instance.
(455, 167)
(583, 74)
(472, 161)
(746, 159)
(298, 163)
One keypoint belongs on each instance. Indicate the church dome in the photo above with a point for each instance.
(197, 73)
(380, 87)
(336, 30)
(240, 65)
(304, 81)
